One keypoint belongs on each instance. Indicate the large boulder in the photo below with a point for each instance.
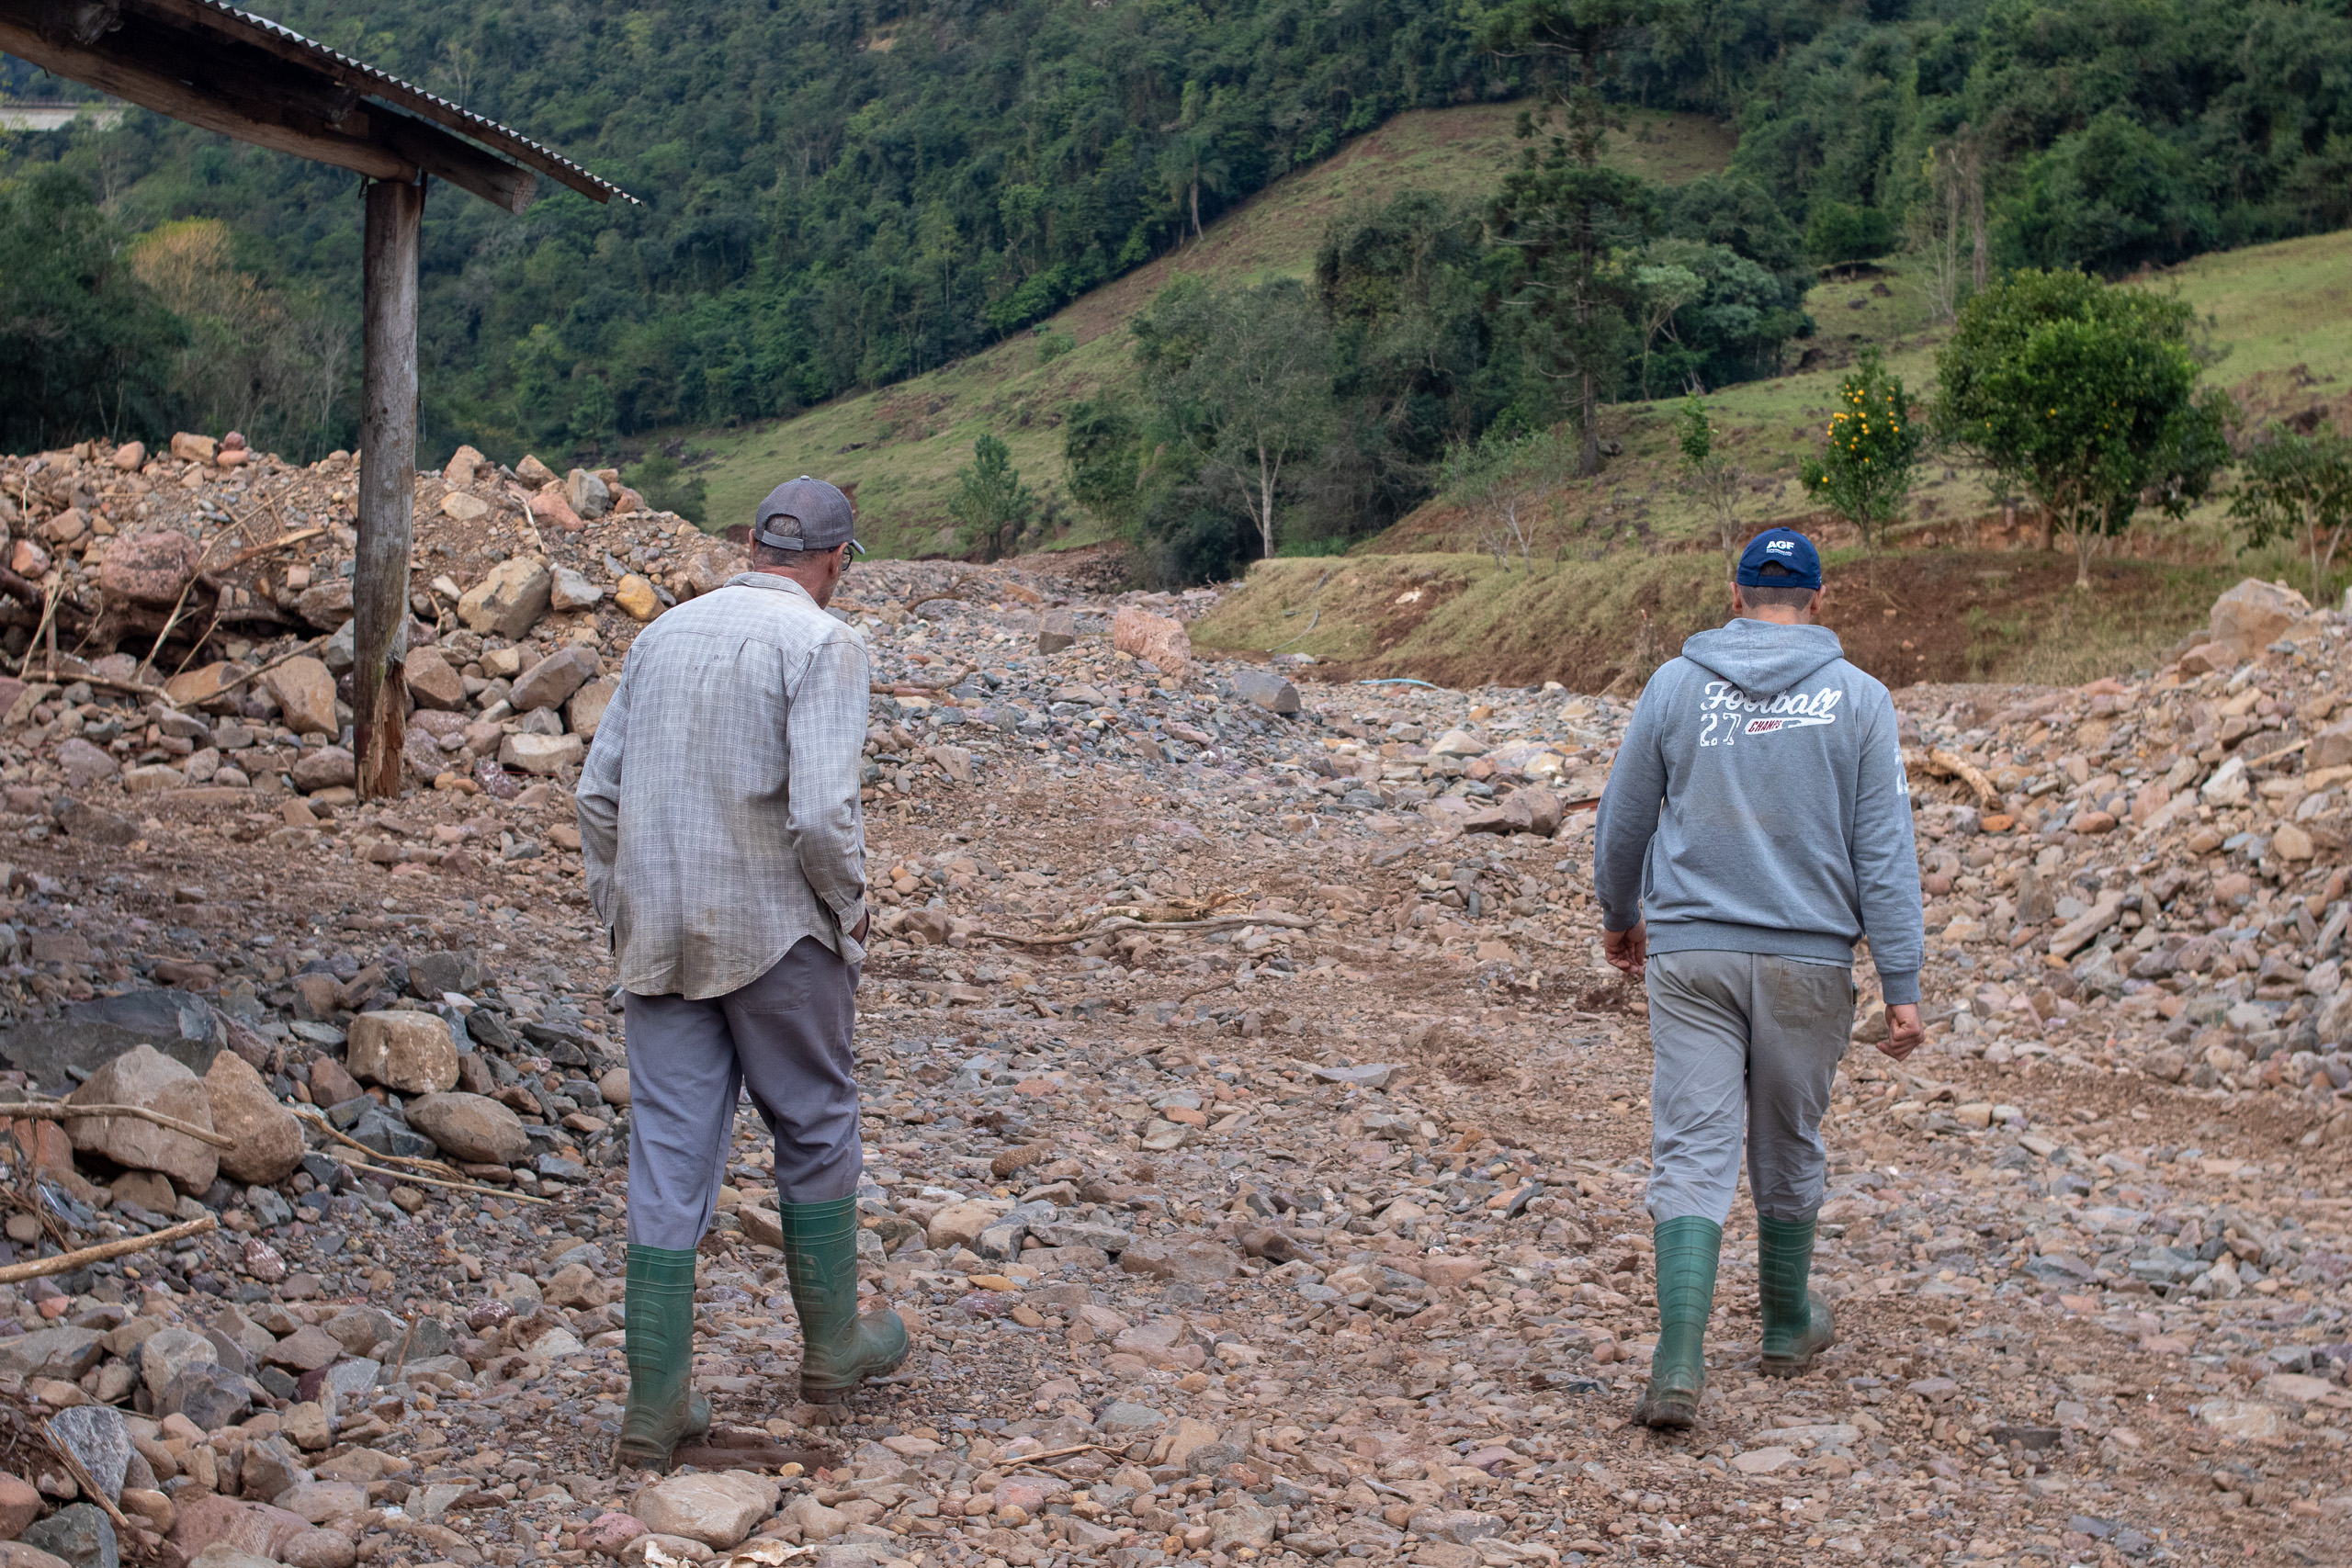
(2254, 615)
(268, 1136)
(547, 684)
(470, 1127)
(64, 1353)
(207, 1519)
(509, 600)
(324, 767)
(546, 755)
(150, 568)
(466, 466)
(432, 682)
(590, 496)
(1139, 634)
(718, 1510)
(325, 605)
(164, 1355)
(409, 1053)
(145, 1076)
(587, 709)
(305, 692)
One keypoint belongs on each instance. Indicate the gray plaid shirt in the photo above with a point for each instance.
(718, 812)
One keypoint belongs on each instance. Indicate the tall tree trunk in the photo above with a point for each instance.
(1196, 208)
(1267, 474)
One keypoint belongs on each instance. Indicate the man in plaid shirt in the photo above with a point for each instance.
(725, 849)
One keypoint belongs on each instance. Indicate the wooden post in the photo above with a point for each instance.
(387, 482)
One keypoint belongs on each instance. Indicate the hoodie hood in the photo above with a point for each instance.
(1763, 659)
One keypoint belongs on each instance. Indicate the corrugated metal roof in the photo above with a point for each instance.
(361, 76)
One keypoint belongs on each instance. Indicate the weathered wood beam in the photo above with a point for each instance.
(110, 73)
(421, 104)
(387, 481)
(462, 164)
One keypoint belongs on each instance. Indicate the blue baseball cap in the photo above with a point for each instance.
(1785, 547)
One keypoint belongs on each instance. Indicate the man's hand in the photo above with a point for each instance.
(1630, 950)
(1904, 1033)
(865, 922)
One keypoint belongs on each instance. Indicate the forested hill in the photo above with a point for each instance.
(840, 195)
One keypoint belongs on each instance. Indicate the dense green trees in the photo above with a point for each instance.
(2297, 486)
(2086, 396)
(87, 347)
(842, 196)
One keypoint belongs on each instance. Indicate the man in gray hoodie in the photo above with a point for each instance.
(1756, 824)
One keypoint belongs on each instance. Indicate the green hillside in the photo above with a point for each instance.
(841, 198)
(2278, 326)
(1627, 567)
(899, 447)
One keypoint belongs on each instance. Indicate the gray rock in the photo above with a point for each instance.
(350, 1379)
(1056, 630)
(589, 495)
(207, 1393)
(1269, 691)
(271, 1466)
(1124, 1416)
(1371, 1075)
(1002, 1239)
(1083, 1232)
(431, 974)
(269, 1206)
(383, 1130)
(168, 1352)
(361, 1329)
(90, 1035)
(62, 1353)
(82, 1536)
(97, 1436)
(554, 1168)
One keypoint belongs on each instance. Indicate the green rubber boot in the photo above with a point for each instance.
(838, 1347)
(1797, 1324)
(659, 1323)
(1688, 1250)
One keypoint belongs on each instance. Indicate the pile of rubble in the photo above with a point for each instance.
(1254, 1139)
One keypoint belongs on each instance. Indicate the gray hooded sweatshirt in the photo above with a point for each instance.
(1759, 805)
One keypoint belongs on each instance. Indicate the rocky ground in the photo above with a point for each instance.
(1255, 1138)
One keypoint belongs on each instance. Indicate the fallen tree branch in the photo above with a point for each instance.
(1221, 922)
(453, 1185)
(313, 1115)
(18, 588)
(67, 677)
(43, 1111)
(256, 551)
(122, 1247)
(2281, 755)
(916, 689)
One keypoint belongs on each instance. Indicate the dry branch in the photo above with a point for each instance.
(42, 1111)
(66, 1262)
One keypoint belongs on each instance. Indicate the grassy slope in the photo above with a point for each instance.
(900, 446)
(1630, 549)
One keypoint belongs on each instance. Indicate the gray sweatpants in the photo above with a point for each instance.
(1741, 1042)
(786, 1037)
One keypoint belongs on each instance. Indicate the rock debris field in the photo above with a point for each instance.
(1254, 1139)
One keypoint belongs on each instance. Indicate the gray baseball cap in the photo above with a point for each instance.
(806, 514)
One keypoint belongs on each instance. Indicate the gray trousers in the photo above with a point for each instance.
(1741, 1042)
(786, 1037)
